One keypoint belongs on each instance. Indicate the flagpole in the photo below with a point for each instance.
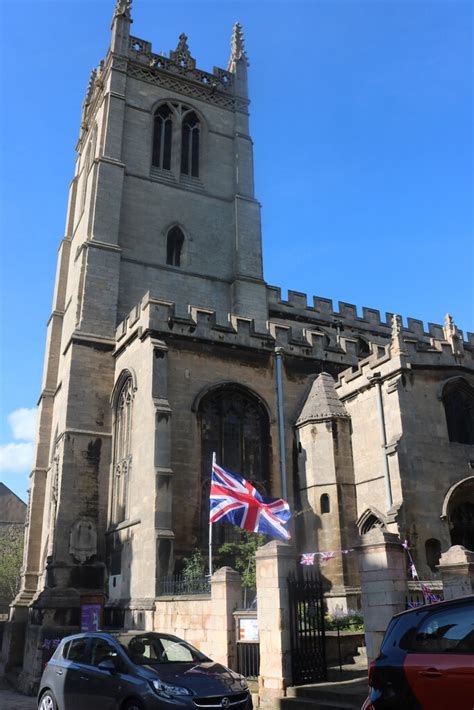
(210, 524)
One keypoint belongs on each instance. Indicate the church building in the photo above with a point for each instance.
(165, 344)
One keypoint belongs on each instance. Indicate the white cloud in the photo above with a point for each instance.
(17, 458)
(23, 423)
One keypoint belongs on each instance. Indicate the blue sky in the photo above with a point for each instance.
(361, 116)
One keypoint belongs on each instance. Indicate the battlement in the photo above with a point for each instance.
(323, 309)
(159, 316)
(440, 355)
(295, 337)
(180, 63)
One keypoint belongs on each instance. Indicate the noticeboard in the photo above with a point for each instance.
(248, 629)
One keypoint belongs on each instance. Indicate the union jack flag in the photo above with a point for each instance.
(307, 558)
(236, 501)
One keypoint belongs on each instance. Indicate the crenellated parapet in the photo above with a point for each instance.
(156, 316)
(322, 310)
(402, 354)
(326, 342)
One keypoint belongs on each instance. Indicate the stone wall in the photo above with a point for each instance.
(189, 618)
(207, 622)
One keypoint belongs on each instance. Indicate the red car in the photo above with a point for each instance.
(426, 660)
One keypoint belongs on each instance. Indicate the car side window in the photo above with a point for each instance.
(446, 631)
(77, 651)
(101, 650)
(174, 651)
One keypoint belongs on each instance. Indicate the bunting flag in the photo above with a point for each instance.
(325, 556)
(308, 558)
(425, 590)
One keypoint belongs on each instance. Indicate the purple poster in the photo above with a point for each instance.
(90, 617)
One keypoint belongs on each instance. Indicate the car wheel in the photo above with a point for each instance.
(48, 701)
(132, 705)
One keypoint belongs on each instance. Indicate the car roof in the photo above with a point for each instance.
(112, 633)
(459, 601)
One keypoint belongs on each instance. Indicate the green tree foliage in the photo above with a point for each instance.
(194, 567)
(11, 557)
(241, 555)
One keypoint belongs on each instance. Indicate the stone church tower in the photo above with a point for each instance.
(165, 344)
(162, 201)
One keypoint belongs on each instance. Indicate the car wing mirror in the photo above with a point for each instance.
(108, 664)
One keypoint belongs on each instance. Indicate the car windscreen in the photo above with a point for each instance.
(151, 649)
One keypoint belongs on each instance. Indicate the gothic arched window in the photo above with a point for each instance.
(458, 400)
(234, 425)
(174, 246)
(122, 452)
(190, 134)
(162, 137)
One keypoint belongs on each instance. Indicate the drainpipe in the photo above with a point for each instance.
(281, 427)
(376, 379)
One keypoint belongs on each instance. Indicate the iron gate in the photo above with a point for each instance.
(308, 652)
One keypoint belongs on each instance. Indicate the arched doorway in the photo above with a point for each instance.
(460, 513)
(234, 424)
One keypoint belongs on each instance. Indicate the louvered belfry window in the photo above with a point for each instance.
(162, 138)
(190, 136)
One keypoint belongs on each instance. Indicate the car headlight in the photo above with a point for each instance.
(243, 683)
(169, 691)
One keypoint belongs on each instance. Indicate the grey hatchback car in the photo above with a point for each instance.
(137, 671)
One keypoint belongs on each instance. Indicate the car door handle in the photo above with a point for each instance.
(84, 677)
(431, 673)
(59, 672)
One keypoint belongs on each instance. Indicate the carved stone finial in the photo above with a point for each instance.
(237, 49)
(453, 336)
(397, 344)
(123, 7)
(182, 56)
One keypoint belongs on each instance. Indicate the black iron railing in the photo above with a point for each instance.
(248, 659)
(179, 585)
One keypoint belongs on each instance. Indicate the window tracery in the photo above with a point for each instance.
(177, 139)
(122, 452)
(162, 137)
(234, 425)
(190, 134)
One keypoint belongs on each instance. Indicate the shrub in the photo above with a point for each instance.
(350, 620)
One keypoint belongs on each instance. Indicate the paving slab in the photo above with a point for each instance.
(12, 700)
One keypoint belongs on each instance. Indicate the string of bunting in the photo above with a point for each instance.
(428, 594)
(308, 558)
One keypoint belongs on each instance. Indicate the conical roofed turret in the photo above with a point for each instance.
(322, 402)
